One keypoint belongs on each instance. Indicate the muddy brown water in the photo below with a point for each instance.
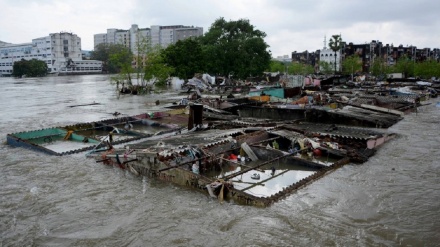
(391, 200)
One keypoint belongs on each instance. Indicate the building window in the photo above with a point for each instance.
(65, 42)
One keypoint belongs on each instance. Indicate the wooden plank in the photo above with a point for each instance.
(249, 151)
(382, 109)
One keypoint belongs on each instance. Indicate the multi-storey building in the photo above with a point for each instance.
(61, 51)
(284, 58)
(156, 35)
(435, 54)
(363, 51)
(368, 53)
(388, 54)
(135, 38)
(305, 57)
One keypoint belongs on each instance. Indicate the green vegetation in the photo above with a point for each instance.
(291, 68)
(427, 69)
(186, 57)
(408, 67)
(404, 65)
(156, 69)
(120, 61)
(235, 48)
(301, 69)
(379, 68)
(278, 66)
(116, 58)
(142, 47)
(325, 67)
(351, 64)
(29, 68)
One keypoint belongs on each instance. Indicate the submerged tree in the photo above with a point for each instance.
(335, 45)
(121, 60)
(142, 47)
(29, 68)
(156, 70)
(235, 48)
(110, 54)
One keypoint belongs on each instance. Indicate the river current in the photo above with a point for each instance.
(391, 200)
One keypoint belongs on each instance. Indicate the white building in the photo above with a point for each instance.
(328, 55)
(61, 51)
(283, 58)
(157, 35)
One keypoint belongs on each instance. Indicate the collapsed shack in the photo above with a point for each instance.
(355, 116)
(249, 163)
(254, 159)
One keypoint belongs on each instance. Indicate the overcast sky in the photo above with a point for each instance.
(290, 25)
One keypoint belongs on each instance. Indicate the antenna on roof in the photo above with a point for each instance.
(325, 42)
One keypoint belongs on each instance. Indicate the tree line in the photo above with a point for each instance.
(233, 49)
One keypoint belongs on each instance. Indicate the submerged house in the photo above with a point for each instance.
(240, 150)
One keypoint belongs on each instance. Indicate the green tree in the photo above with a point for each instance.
(186, 57)
(29, 68)
(404, 65)
(301, 69)
(101, 53)
(109, 54)
(235, 48)
(275, 66)
(325, 67)
(379, 67)
(122, 62)
(156, 69)
(335, 45)
(427, 69)
(142, 46)
(351, 64)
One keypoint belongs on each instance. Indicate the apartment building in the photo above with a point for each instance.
(61, 51)
(368, 52)
(156, 35)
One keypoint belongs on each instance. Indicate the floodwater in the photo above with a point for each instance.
(391, 200)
